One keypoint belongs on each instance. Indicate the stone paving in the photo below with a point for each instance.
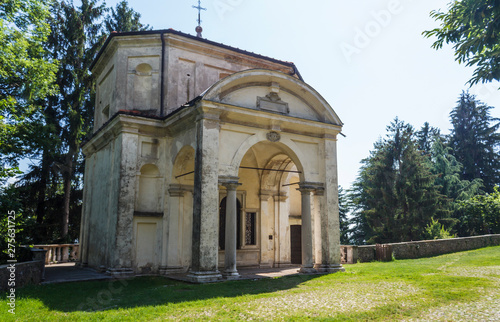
(69, 272)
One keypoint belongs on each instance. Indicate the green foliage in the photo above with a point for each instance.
(422, 289)
(395, 195)
(344, 221)
(47, 106)
(124, 19)
(435, 230)
(480, 215)
(475, 141)
(473, 27)
(26, 76)
(15, 227)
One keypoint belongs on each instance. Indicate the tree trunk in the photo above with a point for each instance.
(42, 191)
(67, 192)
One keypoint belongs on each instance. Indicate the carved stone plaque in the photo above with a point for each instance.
(273, 103)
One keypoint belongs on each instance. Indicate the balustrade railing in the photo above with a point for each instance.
(60, 253)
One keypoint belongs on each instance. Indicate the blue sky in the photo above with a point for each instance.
(368, 58)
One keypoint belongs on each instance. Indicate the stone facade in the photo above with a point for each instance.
(204, 158)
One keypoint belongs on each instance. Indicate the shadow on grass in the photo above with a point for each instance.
(148, 291)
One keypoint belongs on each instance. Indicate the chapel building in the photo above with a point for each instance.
(204, 159)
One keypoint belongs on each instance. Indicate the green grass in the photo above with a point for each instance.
(447, 287)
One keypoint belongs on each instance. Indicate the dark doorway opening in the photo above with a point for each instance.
(296, 244)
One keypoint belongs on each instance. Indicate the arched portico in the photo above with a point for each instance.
(269, 174)
(256, 150)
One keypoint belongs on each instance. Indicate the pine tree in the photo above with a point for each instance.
(475, 141)
(74, 41)
(344, 222)
(395, 195)
(124, 19)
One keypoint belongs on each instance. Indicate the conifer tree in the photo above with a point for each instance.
(124, 19)
(475, 141)
(395, 195)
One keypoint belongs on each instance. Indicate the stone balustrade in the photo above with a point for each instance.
(60, 253)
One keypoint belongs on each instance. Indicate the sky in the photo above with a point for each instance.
(367, 58)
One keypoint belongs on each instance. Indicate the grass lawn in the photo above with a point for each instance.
(455, 287)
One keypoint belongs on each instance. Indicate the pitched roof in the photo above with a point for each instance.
(175, 32)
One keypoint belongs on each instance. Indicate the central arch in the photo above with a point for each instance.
(269, 174)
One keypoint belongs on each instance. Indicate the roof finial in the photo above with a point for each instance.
(198, 28)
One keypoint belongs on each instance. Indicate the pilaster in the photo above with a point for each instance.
(205, 200)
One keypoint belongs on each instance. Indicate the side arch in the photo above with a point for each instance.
(183, 168)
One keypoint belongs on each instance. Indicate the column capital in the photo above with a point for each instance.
(176, 190)
(231, 183)
(308, 187)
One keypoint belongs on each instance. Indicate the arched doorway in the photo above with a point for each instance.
(269, 174)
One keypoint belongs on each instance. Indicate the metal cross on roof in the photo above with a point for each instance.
(199, 7)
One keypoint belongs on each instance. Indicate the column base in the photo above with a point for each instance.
(307, 270)
(120, 272)
(231, 275)
(81, 264)
(333, 268)
(204, 277)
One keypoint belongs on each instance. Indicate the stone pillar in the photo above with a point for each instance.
(307, 241)
(204, 266)
(120, 249)
(230, 271)
(86, 206)
(318, 245)
(282, 229)
(267, 230)
(172, 232)
(65, 254)
(330, 225)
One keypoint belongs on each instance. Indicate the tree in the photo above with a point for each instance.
(449, 183)
(480, 215)
(426, 137)
(75, 39)
(473, 27)
(26, 76)
(124, 19)
(395, 195)
(344, 222)
(435, 230)
(475, 142)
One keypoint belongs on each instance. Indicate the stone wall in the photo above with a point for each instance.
(427, 248)
(24, 274)
(424, 248)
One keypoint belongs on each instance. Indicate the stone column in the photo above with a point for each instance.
(204, 266)
(330, 225)
(120, 249)
(307, 250)
(267, 230)
(230, 271)
(282, 229)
